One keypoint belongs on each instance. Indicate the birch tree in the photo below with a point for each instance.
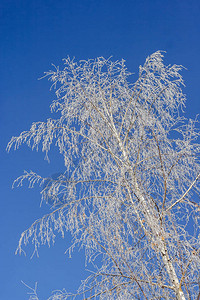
(129, 193)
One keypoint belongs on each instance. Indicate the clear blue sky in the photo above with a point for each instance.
(35, 34)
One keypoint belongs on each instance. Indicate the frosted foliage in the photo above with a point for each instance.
(129, 193)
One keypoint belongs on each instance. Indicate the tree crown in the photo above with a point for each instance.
(132, 168)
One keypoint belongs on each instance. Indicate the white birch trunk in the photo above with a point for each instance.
(152, 222)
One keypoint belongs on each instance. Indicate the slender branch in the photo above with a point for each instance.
(184, 195)
(163, 171)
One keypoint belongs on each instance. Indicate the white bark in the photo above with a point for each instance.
(153, 223)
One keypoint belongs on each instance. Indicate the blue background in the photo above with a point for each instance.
(34, 34)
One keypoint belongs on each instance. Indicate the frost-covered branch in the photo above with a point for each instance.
(131, 161)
